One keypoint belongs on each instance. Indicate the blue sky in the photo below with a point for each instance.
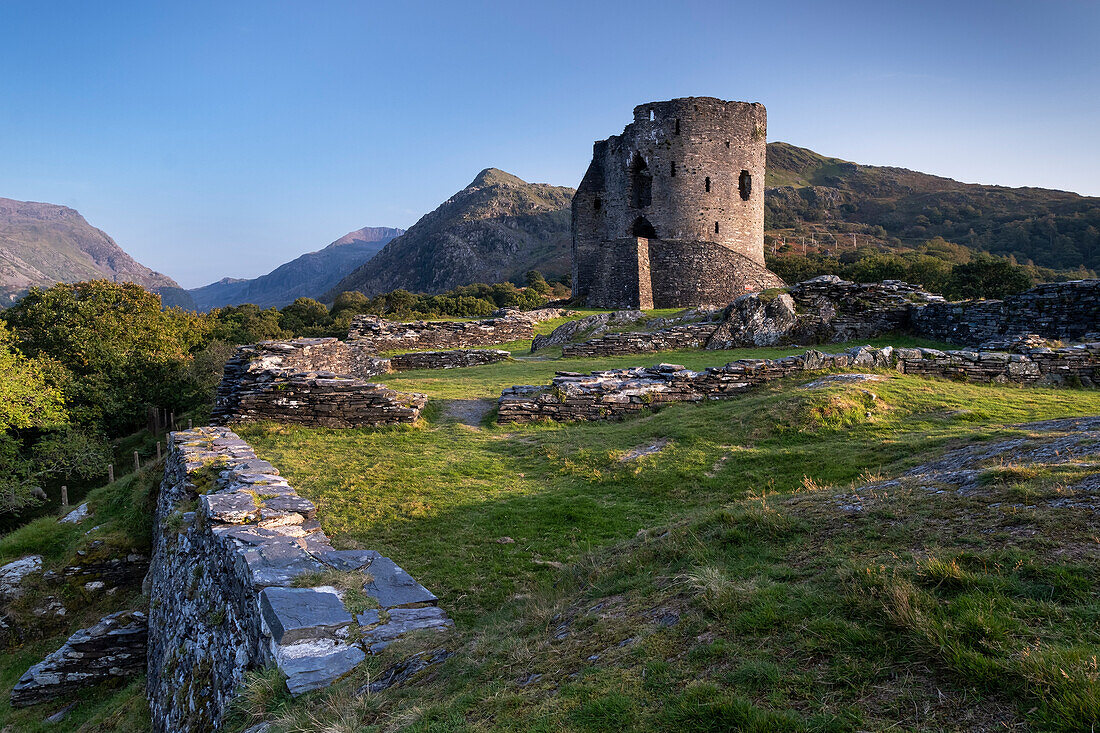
(224, 138)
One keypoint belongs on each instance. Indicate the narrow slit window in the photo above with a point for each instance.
(715, 227)
(672, 169)
(706, 184)
(744, 185)
(597, 203)
(677, 125)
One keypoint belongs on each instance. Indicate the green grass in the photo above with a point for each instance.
(790, 615)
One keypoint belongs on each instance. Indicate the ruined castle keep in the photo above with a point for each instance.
(671, 212)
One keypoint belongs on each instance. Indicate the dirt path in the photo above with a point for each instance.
(467, 412)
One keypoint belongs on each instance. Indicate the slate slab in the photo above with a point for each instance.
(310, 665)
(348, 560)
(294, 614)
(230, 508)
(391, 586)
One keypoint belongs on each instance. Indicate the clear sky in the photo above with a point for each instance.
(224, 138)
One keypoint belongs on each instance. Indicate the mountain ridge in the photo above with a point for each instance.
(495, 229)
(42, 244)
(309, 275)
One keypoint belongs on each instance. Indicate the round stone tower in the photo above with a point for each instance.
(671, 212)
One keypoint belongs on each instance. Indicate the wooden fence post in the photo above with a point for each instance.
(137, 462)
(110, 473)
(64, 496)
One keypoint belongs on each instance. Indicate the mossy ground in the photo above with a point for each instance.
(714, 584)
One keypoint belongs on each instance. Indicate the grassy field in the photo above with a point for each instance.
(723, 582)
(715, 584)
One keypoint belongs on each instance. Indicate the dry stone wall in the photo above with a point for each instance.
(378, 334)
(318, 399)
(1067, 311)
(614, 394)
(232, 543)
(447, 359)
(827, 309)
(639, 342)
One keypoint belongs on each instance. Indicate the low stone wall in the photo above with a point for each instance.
(111, 649)
(317, 399)
(616, 393)
(232, 541)
(1067, 311)
(447, 359)
(827, 309)
(640, 342)
(379, 334)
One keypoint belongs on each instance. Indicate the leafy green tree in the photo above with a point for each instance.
(987, 277)
(29, 397)
(537, 282)
(71, 453)
(120, 350)
(245, 324)
(305, 317)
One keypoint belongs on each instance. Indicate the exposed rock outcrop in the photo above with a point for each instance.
(113, 648)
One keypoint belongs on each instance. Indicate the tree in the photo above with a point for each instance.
(120, 350)
(537, 282)
(305, 317)
(28, 396)
(986, 276)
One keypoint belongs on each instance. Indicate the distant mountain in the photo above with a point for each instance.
(899, 207)
(308, 276)
(43, 244)
(495, 229)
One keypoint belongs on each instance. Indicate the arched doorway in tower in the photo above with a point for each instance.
(642, 228)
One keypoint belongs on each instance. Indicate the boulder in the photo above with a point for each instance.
(755, 319)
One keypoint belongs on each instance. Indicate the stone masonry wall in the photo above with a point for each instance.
(382, 335)
(319, 399)
(638, 342)
(1067, 311)
(378, 334)
(827, 309)
(447, 359)
(616, 393)
(232, 541)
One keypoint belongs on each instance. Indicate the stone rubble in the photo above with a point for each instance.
(232, 542)
(613, 394)
(113, 648)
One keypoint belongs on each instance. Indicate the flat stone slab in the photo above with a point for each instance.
(310, 665)
(231, 508)
(348, 560)
(76, 515)
(391, 586)
(294, 614)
